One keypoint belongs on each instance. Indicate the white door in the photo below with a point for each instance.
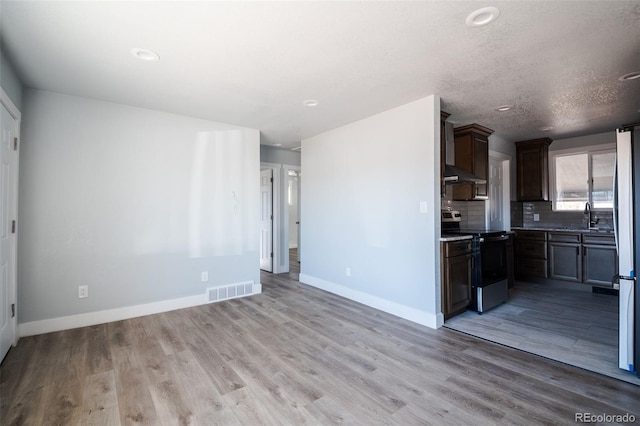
(266, 220)
(292, 201)
(299, 210)
(8, 164)
(496, 199)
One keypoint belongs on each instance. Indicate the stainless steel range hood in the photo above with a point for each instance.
(454, 175)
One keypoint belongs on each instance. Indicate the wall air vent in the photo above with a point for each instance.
(229, 291)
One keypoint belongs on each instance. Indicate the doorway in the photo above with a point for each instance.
(266, 220)
(498, 208)
(280, 189)
(10, 128)
(294, 180)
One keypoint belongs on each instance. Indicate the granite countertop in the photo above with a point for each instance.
(552, 229)
(456, 238)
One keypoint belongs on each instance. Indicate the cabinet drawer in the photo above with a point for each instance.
(457, 248)
(531, 249)
(600, 239)
(531, 235)
(565, 237)
(532, 268)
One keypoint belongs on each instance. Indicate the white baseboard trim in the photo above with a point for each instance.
(393, 308)
(117, 314)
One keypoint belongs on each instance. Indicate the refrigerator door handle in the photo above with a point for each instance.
(615, 281)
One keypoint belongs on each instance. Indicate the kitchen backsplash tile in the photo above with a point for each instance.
(524, 214)
(472, 211)
(475, 214)
(516, 213)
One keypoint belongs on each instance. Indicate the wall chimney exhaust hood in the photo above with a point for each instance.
(455, 175)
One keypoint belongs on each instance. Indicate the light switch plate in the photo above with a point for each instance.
(423, 207)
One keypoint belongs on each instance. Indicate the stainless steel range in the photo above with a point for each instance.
(489, 285)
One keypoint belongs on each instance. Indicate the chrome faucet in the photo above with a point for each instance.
(593, 221)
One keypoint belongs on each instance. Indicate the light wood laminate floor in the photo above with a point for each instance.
(565, 322)
(291, 355)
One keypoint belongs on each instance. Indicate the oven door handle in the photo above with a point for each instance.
(493, 239)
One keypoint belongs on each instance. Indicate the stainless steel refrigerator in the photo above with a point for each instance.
(627, 229)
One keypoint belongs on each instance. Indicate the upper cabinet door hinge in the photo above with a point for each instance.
(15, 144)
(13, 226)
(13, 310)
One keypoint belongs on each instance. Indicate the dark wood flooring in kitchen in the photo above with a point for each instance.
(561, 321)
(291, 355)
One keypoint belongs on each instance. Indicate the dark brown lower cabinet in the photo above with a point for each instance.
(565, 262)
(510, 262)
(589, 258)
(600, 264)
(456, 277)
(565, 256)
(531, 254)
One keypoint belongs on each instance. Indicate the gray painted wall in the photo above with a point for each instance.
(10, 82)
(131, 202)
(582, 141)
(279, 156)
(361, 193)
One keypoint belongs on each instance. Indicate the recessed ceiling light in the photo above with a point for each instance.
(631, 76)
(546, 128)
(503, 108)
(311, 102)
(145, 54)
(482, 17)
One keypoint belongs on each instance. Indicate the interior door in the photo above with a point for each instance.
(8, 164)
(266, 220)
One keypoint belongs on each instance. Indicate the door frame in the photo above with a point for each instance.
(506, 190)
(13, 287)
(276, 170)
(285, 220)
(280, 239)
(267, 172)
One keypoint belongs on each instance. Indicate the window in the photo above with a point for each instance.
(581, 177)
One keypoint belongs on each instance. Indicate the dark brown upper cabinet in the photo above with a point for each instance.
(532, 165)
(472, 154)
(443, 118)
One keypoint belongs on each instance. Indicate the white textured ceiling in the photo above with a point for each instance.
(253, 63)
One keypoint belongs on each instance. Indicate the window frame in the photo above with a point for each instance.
(590, 151)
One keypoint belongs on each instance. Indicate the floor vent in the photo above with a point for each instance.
(230, 291)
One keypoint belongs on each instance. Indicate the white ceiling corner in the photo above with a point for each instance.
(254, 63)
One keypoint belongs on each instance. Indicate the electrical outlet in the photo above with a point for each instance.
(348, 272)
(204, 276)
(83, 291)
(536, 217)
